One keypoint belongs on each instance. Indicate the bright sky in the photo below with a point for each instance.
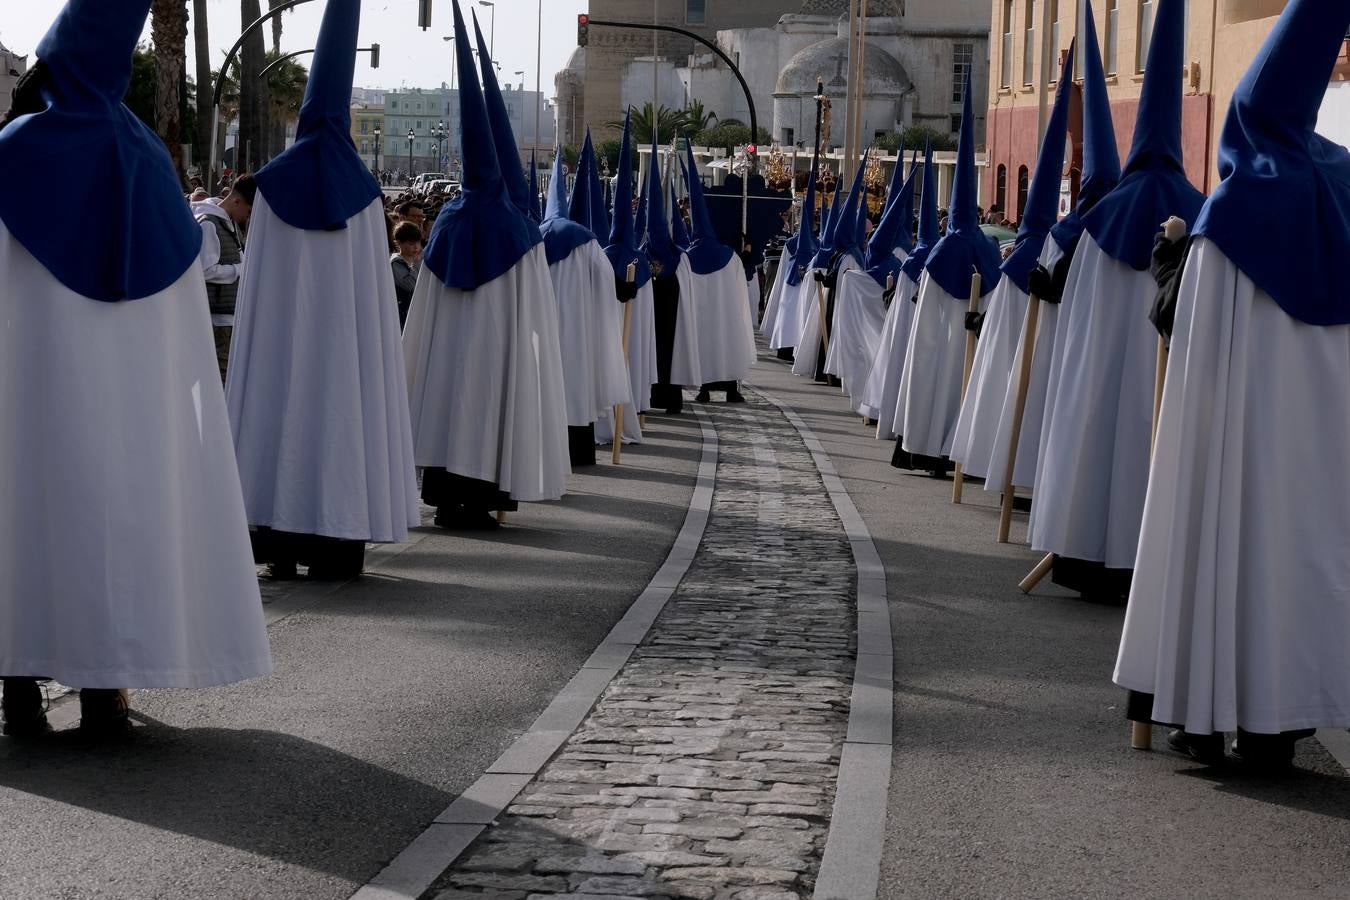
(409, 56)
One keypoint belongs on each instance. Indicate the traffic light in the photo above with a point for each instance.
(374, 56)
(583, 30)
(424, 14)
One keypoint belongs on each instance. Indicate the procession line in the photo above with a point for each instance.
(414, 870)
(851, 865)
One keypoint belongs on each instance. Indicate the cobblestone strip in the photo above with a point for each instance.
(707, 767)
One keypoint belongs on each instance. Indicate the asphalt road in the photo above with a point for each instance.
(1012, 774)
(390, 696)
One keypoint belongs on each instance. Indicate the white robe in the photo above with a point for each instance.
(685, 367)
(123, 542)
(810, 303)
(792, 311)
(725, 337)
(1238, 613)
(485, 380)
(752, 301)
(594, 375)
(1093, 470)
(316, 389)
(859, 316)
(1029, 438)
(935, 360)
(881, 394)
(995, 352)
(641, 365)
(773, 304)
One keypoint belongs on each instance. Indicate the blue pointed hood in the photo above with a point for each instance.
(706, 253)
(480, 235)
(662, 253)
(1043, 195)
(534, 188)
(503, 138)
(678, 233)
(806, 247)
(1154, 185)
(843, 234)
(928, 219)
(1101, 160)
(640, 214)
(561, 234)
(597, 194)
(894, 228)
(623, 249)
(96, 149)
(964, 249)
(1275, 169)
(320, 182)
(825, 239)
(579, 206)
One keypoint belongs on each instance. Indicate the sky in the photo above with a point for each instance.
(409, 56)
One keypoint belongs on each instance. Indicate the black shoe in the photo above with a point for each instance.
(1271, 752)
(1205, 748)
(734, 396)
(703, 397)
(103, 715)
(461, 519)
(24, 708)
(282, 571)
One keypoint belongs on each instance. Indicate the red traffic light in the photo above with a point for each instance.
(583, 19)
(583, 30)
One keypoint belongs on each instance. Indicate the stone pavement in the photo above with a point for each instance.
(707, 769)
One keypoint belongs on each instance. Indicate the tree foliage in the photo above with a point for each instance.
(728, 137)
(607, 153)
(914, 138)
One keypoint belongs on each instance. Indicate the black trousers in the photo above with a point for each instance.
(580, 445)
(326, 557)
(445, 490)
(666, 310)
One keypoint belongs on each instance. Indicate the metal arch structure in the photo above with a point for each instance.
(225, 67)
(293, 54)
(735, 70)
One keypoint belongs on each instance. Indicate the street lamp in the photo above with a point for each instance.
(440, 139)
(492, 39)
(410, 158)
(378, 132)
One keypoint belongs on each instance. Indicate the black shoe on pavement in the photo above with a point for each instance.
(104, 715)
(1205, 748)
(734, 396)
(1268, 752)
(24, 709)
(703, 397)
(282, 571)
(462, 519)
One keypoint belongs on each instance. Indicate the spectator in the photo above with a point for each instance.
(222, 258)
(406, 265)
(412, 211)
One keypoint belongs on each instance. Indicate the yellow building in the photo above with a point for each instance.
(366, 120)
(1222, 37)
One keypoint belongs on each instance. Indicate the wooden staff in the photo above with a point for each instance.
(824, 325)
(630, 276)
(1019, 408)
(958, 481)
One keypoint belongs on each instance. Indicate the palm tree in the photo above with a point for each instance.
(696, 118)
(168, 31)
(276, 27)
(669, 122)
(205, 82)
(252, 145)
(285, 92)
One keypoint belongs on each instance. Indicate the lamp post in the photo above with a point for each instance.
(492, 26)
(410, 157)
(377, 152)
(440, 140)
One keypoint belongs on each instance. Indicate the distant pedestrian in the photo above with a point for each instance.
(222, 223)
(407, 265)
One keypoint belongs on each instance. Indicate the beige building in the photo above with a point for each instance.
(366, 120)
(11, 67)
(1222, 37)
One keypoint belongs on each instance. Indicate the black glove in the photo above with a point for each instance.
(1169, 259)
(625, 289)
(1040, 282)
(974, 322)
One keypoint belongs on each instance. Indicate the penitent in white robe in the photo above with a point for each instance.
(641, 365)
(594, 375)
(774, 303)
(881, 393)
(485, 380)
(725, 336)
(1238, 613)
(995, 352)
(123, 542)
(316, 389)
(859, 315)
(1093, 469)
(935, 360)
(810, 308)
(1029, 439)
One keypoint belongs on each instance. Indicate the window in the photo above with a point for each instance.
(365, 126)
(1112, 30)
(1053, 74)
(956, 125)
(695, 12)
(1001, 187)
(419, 124)
(790, 137)
(1145, 35)
(1023, 182)
(1029, 44)
(393, 105)
(365, 146)
(962, 53)
(1005, 59)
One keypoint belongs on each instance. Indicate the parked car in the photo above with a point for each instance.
(446, 186)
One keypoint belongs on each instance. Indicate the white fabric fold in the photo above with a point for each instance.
(881, 393)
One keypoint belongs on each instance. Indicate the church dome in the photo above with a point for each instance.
(576, 63)
(883, 76)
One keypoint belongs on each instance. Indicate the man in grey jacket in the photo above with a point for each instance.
(222, 223)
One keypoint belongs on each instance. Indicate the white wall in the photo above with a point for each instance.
(1334, 119)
